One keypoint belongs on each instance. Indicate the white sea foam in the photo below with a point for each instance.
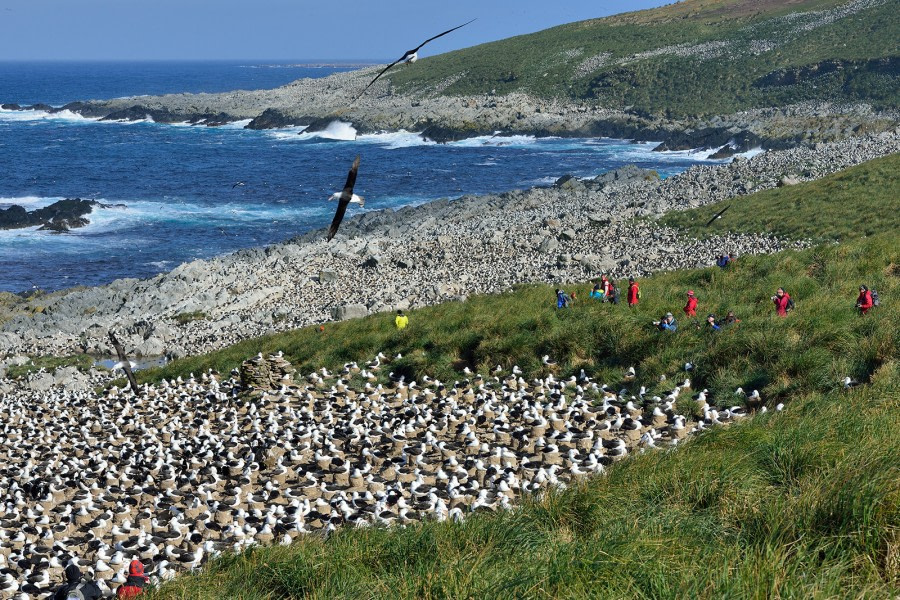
(236, 124)
(337, 130)
(497, 140)
(29, 202)
(395, 140)
(42, 115)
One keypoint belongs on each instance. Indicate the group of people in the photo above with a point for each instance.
(77, 588)
(606, 290)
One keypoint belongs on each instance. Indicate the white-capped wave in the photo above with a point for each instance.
(236, 124)
(496, 140)
(395, 140)
(336, 130)
(29, 202)
(42, 115)
(286, 133)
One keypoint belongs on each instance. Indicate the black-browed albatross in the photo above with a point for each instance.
(345, 198)
(410, 56)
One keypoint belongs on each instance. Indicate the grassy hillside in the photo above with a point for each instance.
(801, 503)
(800, 211)
(691, 58)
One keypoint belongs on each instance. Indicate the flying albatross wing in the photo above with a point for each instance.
(407, 54)
(717, 215)
(344, 201)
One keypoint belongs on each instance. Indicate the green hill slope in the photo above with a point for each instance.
(696, 57)
(801, 503)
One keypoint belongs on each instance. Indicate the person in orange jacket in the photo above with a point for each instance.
(634, 292)
(690, 309)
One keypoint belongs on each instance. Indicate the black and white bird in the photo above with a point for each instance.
(409, 57)
(239, 184)
(345, 198)
(718, 215)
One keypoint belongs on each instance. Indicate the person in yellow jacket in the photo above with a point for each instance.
(401, 320)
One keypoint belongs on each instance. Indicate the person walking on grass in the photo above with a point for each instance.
(634, 292)
(783, 302)
(401, 320)
(864, 300)
(690, 309)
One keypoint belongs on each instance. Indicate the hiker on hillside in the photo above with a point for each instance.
(134, 585)
(712, 323)
(76, 587)
(597, 293)
(690, 309)
(613, 295)
(723, 261)
(562, 299)
(864, 301)
(605, 285)
(634, 292)
(667, 323)
(783, 302)
(730, 319)
(401, 320)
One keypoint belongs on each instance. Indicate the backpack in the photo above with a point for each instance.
(790, 304)
(76, 593)
(876, 301)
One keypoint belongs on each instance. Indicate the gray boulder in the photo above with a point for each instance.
(326, 276)
(349, 311)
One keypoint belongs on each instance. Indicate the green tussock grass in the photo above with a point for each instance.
(857, 202)
(546, 63)
(50, 364)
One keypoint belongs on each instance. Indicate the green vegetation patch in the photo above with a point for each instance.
(50, 364)
(696, 57)
(183, 318)
(857, 202)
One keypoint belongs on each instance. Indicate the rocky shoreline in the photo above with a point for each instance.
(415, 256)
(316, 103)
(59, 217)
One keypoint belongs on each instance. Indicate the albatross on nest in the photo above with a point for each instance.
(410, 56)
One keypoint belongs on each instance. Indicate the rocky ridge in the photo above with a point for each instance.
(444, 250)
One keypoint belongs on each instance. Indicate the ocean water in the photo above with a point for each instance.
(176, 181)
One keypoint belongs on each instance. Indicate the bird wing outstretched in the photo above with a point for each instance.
(344, 200)
(405, 54)
(717, 215)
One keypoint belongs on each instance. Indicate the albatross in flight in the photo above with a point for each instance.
(410, 56)
(718, 215)
(344, 199)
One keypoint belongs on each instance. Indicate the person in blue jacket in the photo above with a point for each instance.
(667, 323)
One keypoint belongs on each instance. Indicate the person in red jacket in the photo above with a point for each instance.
(782, 302)
(690, 309)
(634, 293)
(134, 585)
(864, 301)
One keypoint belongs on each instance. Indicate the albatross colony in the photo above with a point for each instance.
(191, 468)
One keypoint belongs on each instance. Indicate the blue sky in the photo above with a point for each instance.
(268, 29)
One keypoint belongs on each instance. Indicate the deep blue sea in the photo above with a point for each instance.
(176, 180)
